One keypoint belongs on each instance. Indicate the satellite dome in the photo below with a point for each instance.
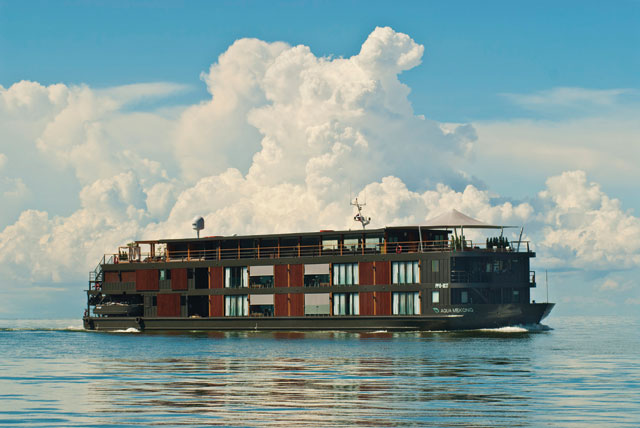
(198, 225)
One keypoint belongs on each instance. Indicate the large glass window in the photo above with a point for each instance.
(317, 275)
(373, 245)
(350, 245)
(236, 277)
(261, 276)
(317, 304)
(165, 274)
(261, 305)
(405, 303)
(329, 245)
(346, 304)
(236, 306)
(405, 273)
(435, 297)
(345, 274)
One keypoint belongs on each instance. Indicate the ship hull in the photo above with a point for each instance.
(441, 318)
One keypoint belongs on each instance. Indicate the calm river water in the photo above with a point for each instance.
(579, 372)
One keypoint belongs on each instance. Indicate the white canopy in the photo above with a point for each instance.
(455, 218)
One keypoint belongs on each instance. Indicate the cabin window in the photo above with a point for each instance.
(197, 306)
(405, 272)
(516, 296)
(464, 297)
(373, 245)
(261, 305)
(350, 245)
(154, 301)
(201, 278)
(236, 277)
(236, 306)
(261, 277)
(346, 304)
(329, 245)
(317, 304)
(190, 273)
(405, 303)
(435, 265)
(435, 297)
(345, 274)
(164, 274)
(317, 275)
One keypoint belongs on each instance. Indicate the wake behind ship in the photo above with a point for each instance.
(426, 277)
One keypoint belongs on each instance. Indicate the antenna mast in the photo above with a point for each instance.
(359, 217)
(546, 280)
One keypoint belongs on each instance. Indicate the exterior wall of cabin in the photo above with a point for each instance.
(304, 279)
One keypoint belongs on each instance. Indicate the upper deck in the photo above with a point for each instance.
(390, 240)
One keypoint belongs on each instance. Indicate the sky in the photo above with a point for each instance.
(123, 120)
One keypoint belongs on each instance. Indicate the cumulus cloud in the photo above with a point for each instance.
(584, 225)
(278, 145)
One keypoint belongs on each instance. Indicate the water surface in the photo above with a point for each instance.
(573, 374)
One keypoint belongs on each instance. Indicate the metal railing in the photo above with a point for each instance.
(296, 251)
(96, 276)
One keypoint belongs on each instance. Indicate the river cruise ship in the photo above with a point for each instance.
(427, 277)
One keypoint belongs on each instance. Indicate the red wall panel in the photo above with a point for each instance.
(281, 305)
(179, 279)
(168, 305)
(111, 277)
(296, 275)
(146, 279)
(128, 276)
(383, 273)
(281, 276)
(296, 304)
(217, 277)
(366, 303)
(216, 306)
(365, 273)
(383, 302)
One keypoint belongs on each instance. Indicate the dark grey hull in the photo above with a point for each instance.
(442, 318)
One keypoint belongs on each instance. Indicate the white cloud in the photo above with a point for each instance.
(586, 228)
(615, 283)
(3, 160)
(277, 148)
(13, 188)
(582, 99)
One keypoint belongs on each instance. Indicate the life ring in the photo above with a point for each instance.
(399, 249)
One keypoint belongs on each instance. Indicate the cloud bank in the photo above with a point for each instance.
(283, 138)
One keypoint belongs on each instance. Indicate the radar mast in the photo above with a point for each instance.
(359, 217)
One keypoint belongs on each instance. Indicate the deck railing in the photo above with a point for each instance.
(296, 251)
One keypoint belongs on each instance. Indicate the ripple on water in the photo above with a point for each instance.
(490, 378)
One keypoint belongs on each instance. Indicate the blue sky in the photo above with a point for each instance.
(475, 50)
(532, 104)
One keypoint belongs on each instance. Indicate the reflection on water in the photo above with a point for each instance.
(483, 378)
